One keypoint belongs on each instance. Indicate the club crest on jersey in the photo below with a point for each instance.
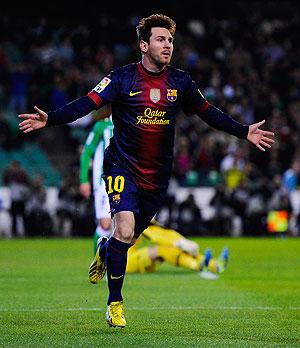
(116, 198)
(171, 94)
(155, 94)
(102, 84)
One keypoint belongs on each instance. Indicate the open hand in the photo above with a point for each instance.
(259, 137)
(33, 121)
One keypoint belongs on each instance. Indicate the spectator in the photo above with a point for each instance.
(75, 214)
(166, 214)
(256, 209)
(189, 221)
(66, 206)
(233, 167)
(17, 180)
(290, 177)
(239, 199)
(38, 220)
(221, 222)
(279, 199)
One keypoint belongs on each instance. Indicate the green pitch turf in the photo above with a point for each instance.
(47, 301)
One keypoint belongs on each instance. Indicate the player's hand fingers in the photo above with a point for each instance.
(25, 122)
(30, 116)
(30, 129)
(265, 144)
(260, 147)
(266, 132)
(39, 111)
(26, 126)
(255, 127)
(258, 124)
(269, 140)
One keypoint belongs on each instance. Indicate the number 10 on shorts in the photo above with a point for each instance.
(115, 184)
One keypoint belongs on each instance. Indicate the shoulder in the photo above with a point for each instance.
(179, 74)
(125, 70)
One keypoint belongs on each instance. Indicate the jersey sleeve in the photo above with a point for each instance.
(106, 91)
(89, 149)
(70, 112)
(194, 101)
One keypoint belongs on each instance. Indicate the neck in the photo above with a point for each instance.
(152, 66)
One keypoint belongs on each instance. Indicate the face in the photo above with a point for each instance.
(160, 47)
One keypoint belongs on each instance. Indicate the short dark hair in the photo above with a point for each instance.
(143, 30)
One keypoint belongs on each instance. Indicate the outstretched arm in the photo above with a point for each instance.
(68, 113)
(222, 121)
(195, 103)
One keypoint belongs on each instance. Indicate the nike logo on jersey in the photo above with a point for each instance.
(112, 277)
(131, 94)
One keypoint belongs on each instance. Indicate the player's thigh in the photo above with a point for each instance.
(149, 204)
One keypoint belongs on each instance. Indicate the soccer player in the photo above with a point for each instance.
(145, 98)
(96, 143)
(171, 247)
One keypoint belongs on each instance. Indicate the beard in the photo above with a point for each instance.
(159, 60)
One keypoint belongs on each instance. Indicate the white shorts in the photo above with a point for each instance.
(101, 202)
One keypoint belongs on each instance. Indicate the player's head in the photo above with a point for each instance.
(155, 35)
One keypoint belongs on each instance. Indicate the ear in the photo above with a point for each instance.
(144, 46)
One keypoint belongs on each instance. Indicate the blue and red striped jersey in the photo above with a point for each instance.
(144, 109)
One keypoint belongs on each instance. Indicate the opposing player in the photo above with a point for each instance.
(145, 98)
(171, 247)
(96, 143)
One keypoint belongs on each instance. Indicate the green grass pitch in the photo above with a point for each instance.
(47, 301)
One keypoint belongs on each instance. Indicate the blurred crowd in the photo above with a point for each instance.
(246, 66)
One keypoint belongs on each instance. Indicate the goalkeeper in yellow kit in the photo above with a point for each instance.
(171, 247)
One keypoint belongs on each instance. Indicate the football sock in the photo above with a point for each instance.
(116, 259)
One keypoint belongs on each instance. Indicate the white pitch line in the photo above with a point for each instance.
(82, 309)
